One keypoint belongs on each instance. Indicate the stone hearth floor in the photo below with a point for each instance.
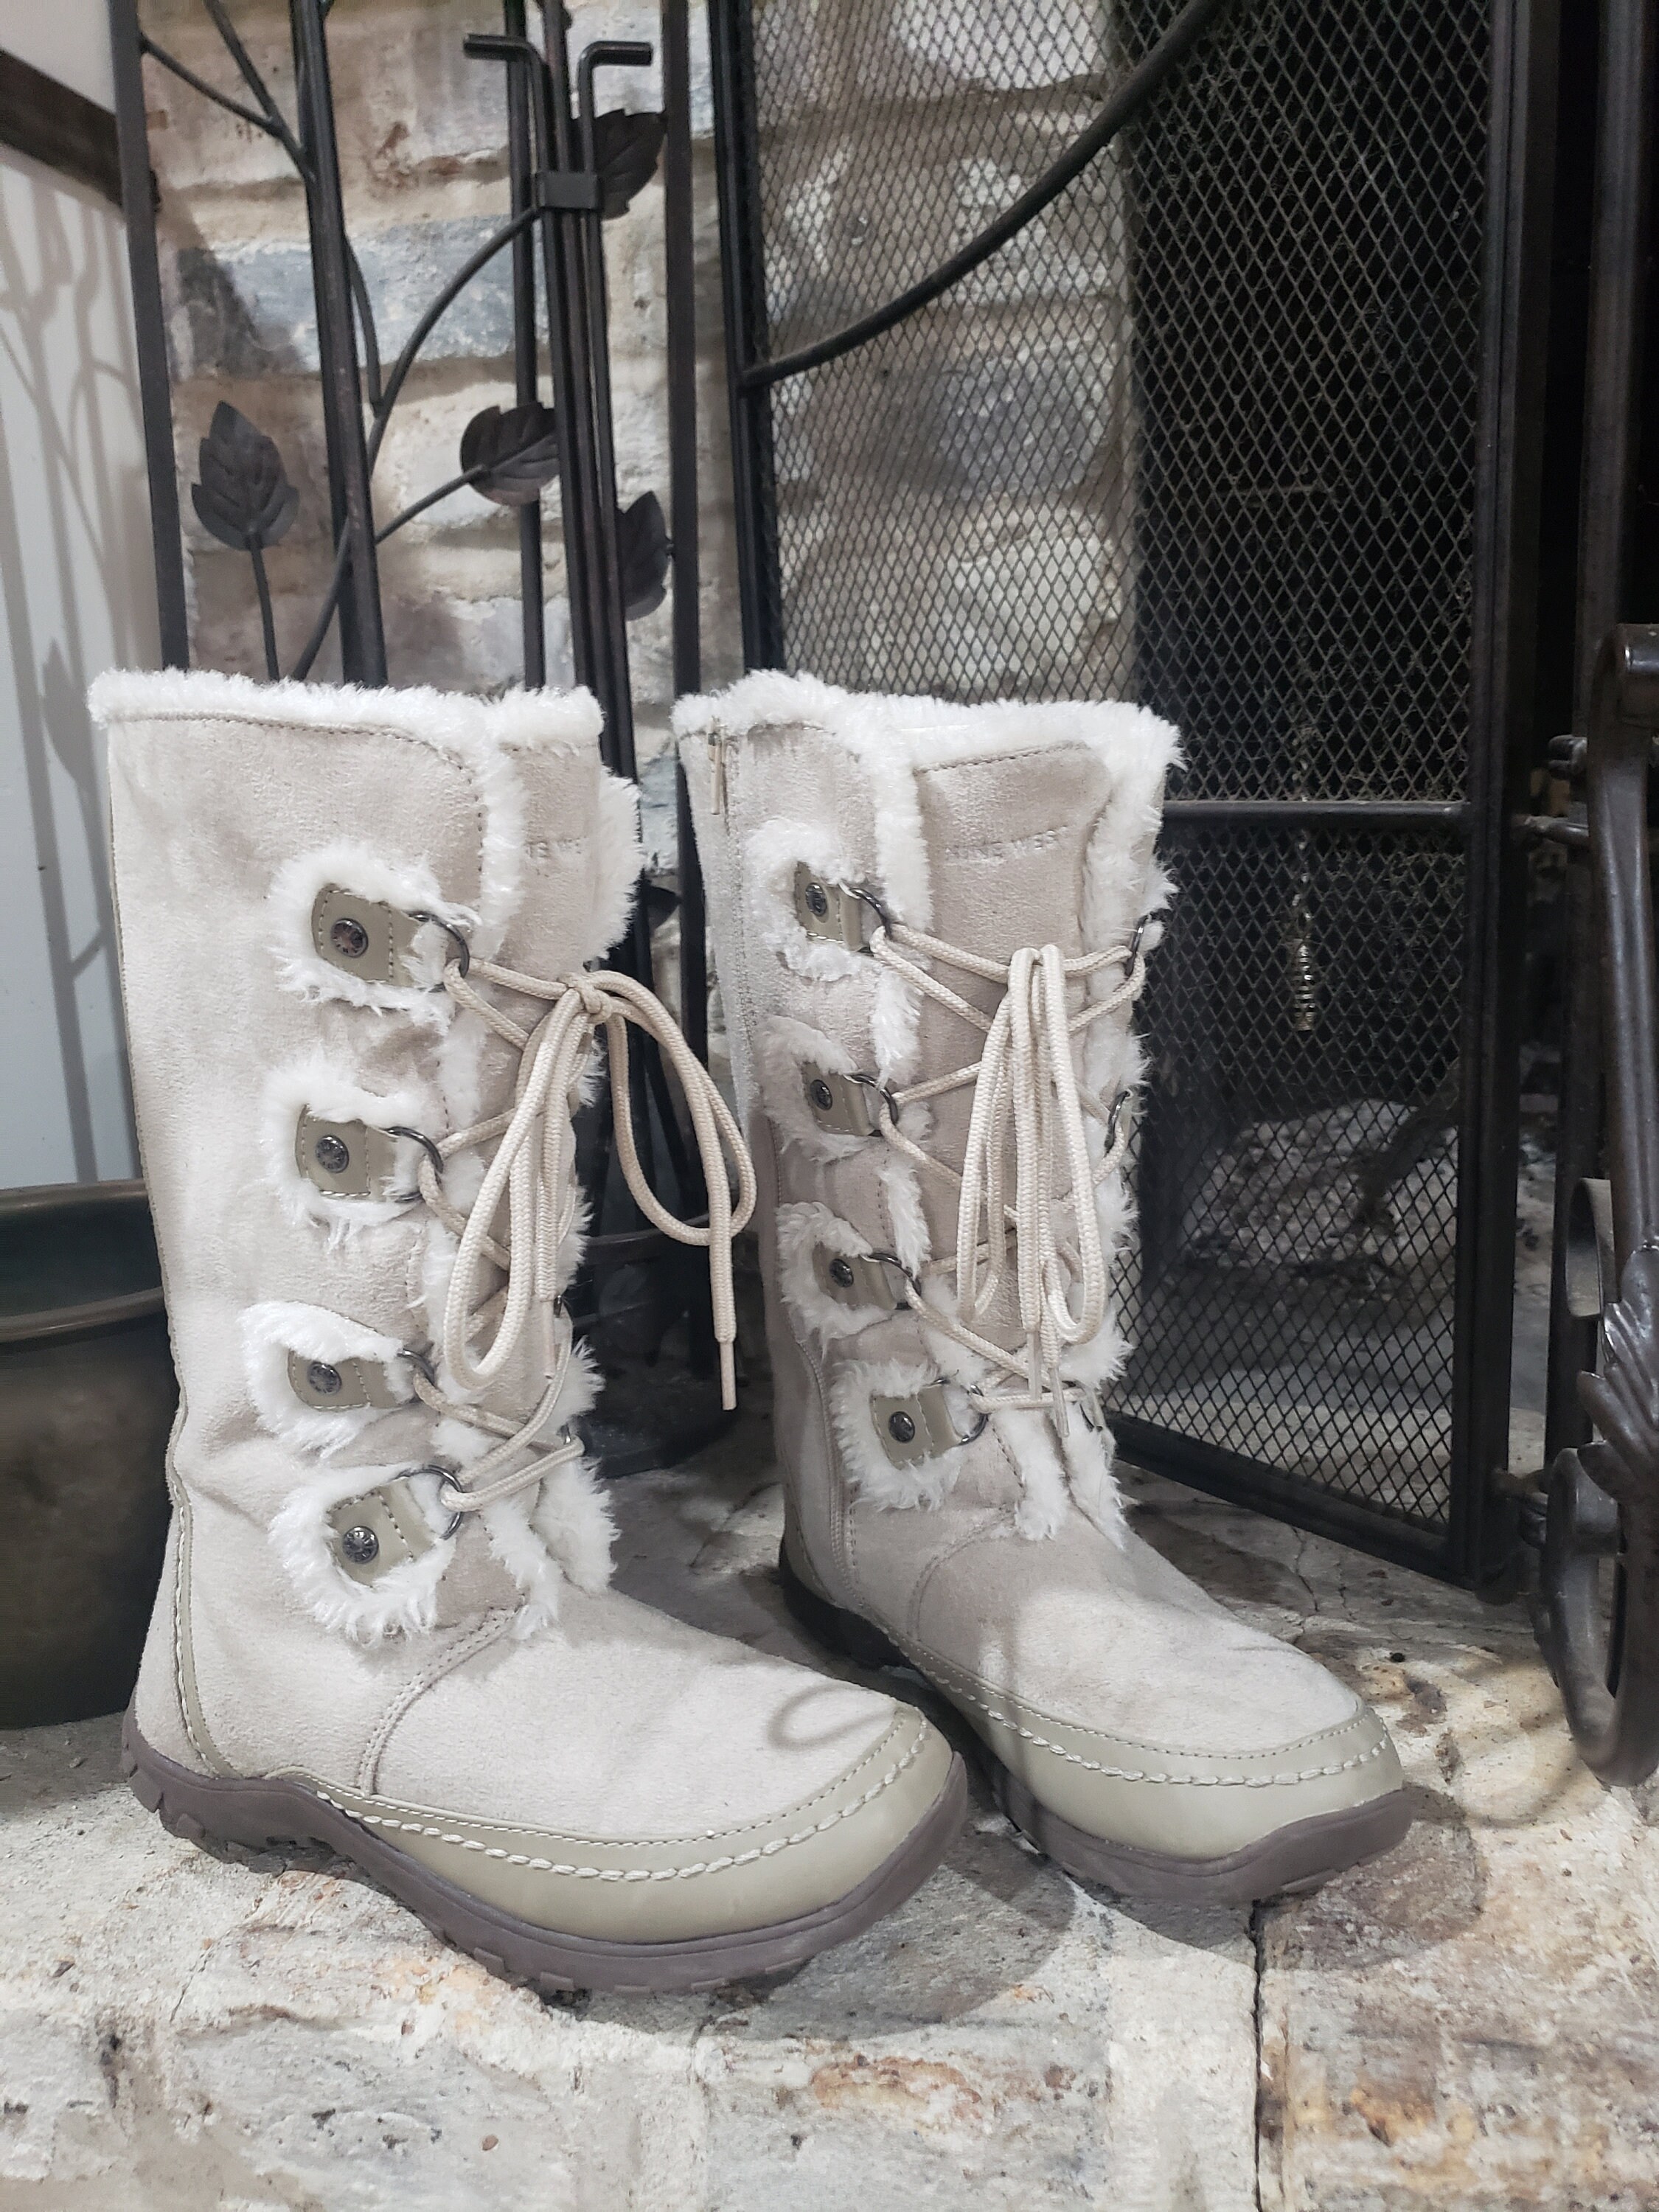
(1472, 2023)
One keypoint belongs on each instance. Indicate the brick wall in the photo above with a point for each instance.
(423, 149)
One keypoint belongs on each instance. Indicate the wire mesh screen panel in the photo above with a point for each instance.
(1292, 1297)
(1206, 433)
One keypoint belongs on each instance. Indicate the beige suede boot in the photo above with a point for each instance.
(353, 927)
(930, 922)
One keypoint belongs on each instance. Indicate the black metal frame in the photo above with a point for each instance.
(1478, 1546)
(563, 181)
(1603, 1431)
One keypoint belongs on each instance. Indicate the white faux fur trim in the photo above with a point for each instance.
(1089, 1454)
(775, 851)
(1031, 1444)
(803, 1229)
(902, 1187)
(892, 738)
(452, 722)
(318, 1086)
(409, 887)
(482, 736)
(784, 1048)
(273, 1329)
(561, 1531)
(404, 1600)
(852, 1383)
(620, 858)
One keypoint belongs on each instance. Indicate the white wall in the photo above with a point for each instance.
(77, 596)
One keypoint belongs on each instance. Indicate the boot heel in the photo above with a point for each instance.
(833, 1626)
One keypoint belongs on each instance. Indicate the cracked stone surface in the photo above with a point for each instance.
(1473, 2023)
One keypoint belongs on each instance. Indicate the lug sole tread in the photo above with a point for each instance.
(224, 1816)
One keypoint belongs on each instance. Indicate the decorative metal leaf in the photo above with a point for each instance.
(642, 542)
(244, 497)
(1623, 1400)
(625, 148)
(518, 451)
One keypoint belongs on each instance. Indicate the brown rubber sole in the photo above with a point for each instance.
(1297, 1857)
(279, 1815)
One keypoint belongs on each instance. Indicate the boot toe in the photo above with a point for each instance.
(761, 1873)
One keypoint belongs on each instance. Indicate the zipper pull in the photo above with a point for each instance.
(718, 741)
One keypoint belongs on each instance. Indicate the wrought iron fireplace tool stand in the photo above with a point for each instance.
(1603, 1512)
(569, 167)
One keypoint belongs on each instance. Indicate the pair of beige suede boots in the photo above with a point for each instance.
(356, 930)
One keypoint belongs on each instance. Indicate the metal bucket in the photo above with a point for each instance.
(87, 1400)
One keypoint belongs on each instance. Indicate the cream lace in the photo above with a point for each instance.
(533, 1168)
(1024, 1079)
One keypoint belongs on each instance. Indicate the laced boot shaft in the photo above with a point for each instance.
(532, 1171)
(1026, 1099)
(931, 925)
(355, 931)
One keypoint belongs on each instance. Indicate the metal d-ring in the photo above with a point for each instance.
(1141, 928)
(463, 950)
(892, 1260)
(869, 899)
(1113, 1118)
(871, 1083)
(422, 1365)
(429, 1146)
(445, 1472)
(975, 1433)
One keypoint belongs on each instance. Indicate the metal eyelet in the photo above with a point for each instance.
(870, 1083)
(1112, 1118)
(463, 950)
(429, 1146)
(445, 1472)
(884, 920)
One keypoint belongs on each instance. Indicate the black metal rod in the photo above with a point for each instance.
(520, 167)
(1143, 80)
(1618, 277)
(433, 314)
(679, 286)
(362, 638)
(584, 548)
(1623, 715)
(259, 120)
(1515, 281)
(149, 334)
(607, 53)
(1624, 144)
(742, 270)
(1336, 813)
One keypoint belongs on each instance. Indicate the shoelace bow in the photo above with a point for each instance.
(533, 1167)
(1025, 1078)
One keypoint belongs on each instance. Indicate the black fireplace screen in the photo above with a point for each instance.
(1228, 426)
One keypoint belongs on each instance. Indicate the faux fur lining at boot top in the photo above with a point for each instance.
(893, 738)
(485, 737)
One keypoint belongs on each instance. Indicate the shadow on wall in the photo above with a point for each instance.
(77, 596)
